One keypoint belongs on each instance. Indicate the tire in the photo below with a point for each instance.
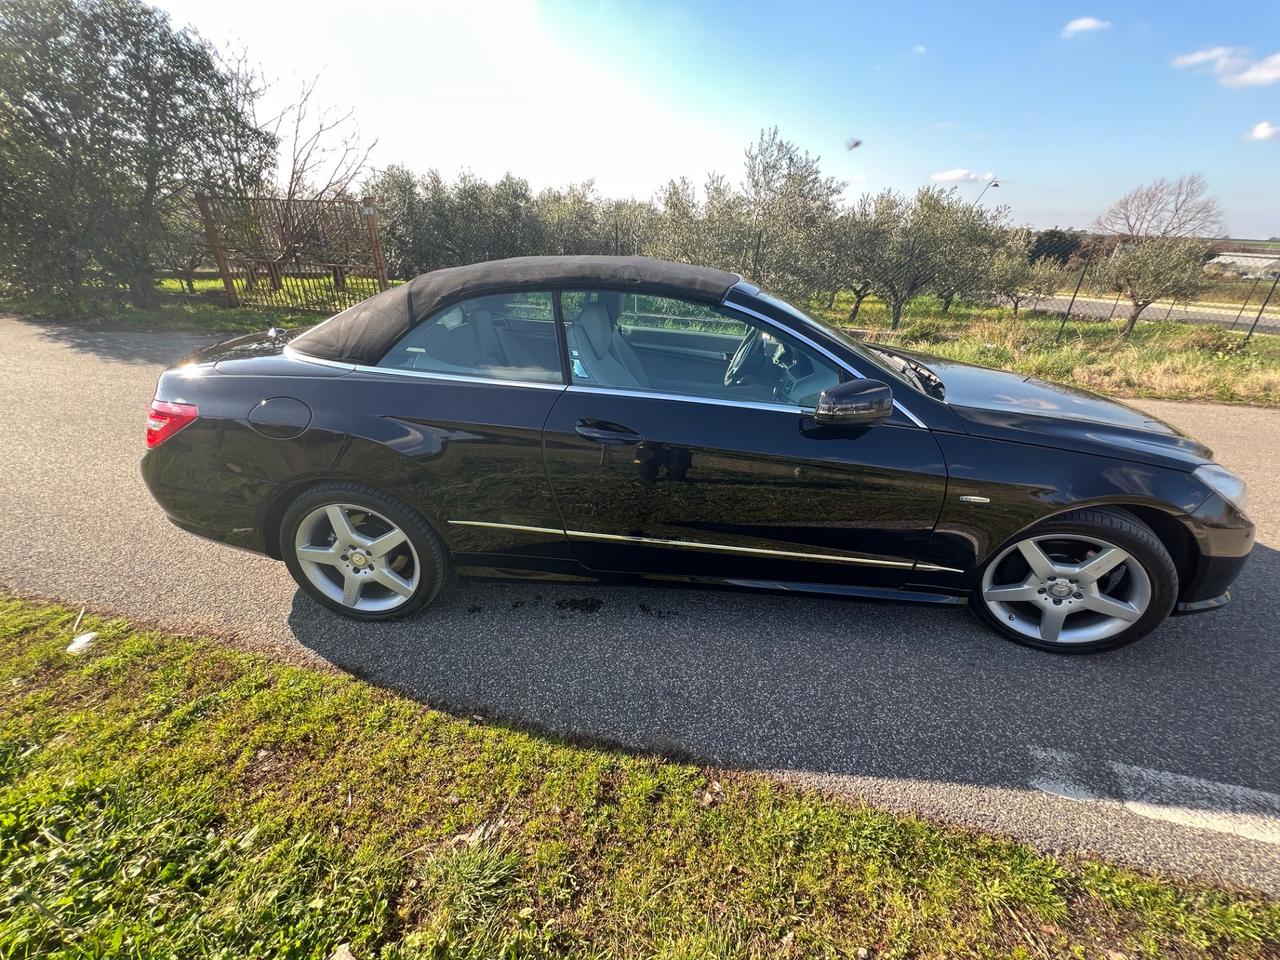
(1077, 603)
(331, 537)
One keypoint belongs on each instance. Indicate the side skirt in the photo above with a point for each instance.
(490, 568)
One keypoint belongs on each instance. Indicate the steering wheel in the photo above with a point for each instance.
(746, 359)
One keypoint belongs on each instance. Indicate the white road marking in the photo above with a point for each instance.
(1206, 804)
(1061, 774)
(1158, 794)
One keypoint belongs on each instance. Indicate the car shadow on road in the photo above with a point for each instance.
(164, 348)
(833, 687)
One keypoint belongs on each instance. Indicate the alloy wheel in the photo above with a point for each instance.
(1066, 589)
(357, 557)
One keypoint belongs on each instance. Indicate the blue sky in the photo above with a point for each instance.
(631, 93)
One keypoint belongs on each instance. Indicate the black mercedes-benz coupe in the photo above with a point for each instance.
(570, 418)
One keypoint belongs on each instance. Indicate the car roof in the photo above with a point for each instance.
(364, 333)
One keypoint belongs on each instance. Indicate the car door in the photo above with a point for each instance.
(460, 402)
(666, 455)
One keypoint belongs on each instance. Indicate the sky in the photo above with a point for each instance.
(1069, 105)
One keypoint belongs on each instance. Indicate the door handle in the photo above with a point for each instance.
(609, 434)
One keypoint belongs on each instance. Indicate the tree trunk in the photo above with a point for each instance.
(142, 291)
(857, 305)
(946, 302)
(1015, 303)
(897, 315)
(1132, 322)
(831, 300)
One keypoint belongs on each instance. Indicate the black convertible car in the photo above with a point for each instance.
(568, 418)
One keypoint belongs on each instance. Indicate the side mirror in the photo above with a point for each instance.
(854, 403)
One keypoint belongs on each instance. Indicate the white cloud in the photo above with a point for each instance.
(1083, 25)
(1259, 74)
(1265, 131)
(1213, 55)
(1233, 66)
(945, 125)
(919, 49)
(960, 175)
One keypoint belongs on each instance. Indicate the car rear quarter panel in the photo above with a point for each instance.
(450, 449)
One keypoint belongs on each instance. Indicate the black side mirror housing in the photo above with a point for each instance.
(854, 403)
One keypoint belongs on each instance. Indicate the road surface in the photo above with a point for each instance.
(1162, 755)
(1231, 317)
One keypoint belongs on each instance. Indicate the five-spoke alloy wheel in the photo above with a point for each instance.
(361, 552)
(1086, 581)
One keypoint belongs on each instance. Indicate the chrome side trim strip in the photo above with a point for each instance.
(821, 349)
(682, 398)
(698, 545)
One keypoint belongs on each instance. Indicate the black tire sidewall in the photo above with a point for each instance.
(426, 545)
(1125, 532)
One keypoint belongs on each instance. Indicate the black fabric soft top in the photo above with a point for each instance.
(364, 333)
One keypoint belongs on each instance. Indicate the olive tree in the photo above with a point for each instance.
(1148, 269)
(908, 237)
(110, 118)
(969, 238)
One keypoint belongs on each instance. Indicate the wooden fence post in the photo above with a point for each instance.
(215, 245)
(375, 244)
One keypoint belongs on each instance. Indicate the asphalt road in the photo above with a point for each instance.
(1104, 308)
(1165, 754)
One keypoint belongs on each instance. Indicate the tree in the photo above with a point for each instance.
(969, 238)
(1010, 270)
(789, 205)
(1153, 268)
(905, 246)
(1165, 208)
(1057, 244)
(110, 119)
(1046, 277)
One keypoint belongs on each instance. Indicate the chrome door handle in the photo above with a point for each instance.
(609, 434)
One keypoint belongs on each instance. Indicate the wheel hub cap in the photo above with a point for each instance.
(1066, 588)
(357, 557)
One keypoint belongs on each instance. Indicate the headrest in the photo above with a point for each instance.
(595, 323)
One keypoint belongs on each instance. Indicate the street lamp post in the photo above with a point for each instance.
(993, 182)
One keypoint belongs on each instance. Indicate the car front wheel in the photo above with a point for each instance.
(1086, 581)
(361, 552)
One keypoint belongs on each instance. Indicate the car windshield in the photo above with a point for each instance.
(905, 369)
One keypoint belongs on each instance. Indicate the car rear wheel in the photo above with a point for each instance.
(1090, 580)
(361, 552)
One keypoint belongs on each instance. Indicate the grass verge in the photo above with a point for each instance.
(1161, 361)
(173, 313)
(166, 796)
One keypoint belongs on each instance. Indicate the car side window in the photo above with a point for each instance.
(637, 341)
(506, 336)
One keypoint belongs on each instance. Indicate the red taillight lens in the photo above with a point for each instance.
(165, 419)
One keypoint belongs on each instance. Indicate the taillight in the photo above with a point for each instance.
(165, 419)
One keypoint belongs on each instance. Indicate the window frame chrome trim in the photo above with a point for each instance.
(685, 398)
(843, 364)
(426, 374)
(700, 545)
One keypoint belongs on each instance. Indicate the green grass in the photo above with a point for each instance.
(168, 796)
(173, 313)
(1167, 361)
